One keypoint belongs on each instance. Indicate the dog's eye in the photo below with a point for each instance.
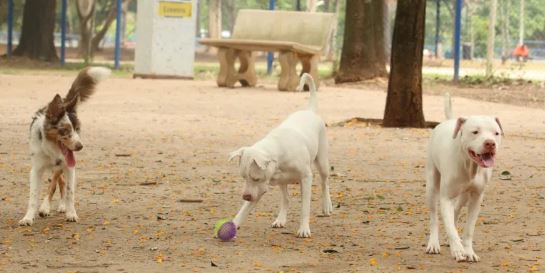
(475, 132)
(62, 131)
(497, 133)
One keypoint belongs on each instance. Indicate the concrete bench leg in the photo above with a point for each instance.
(246, 72)
(288, 76)
(228, 76)
(310, 66)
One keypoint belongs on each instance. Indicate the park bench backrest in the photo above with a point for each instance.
(306, 28)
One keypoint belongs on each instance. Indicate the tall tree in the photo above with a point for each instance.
(404, 99)
(107, 23)
(312, 5)
(214, 20)
(86, 14)
(491, 39)
(37, 41)
(332, 43)
(363, 55)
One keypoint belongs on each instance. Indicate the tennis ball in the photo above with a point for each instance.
(225, 230)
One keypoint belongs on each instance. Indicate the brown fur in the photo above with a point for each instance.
(82, 88)
(57, 179)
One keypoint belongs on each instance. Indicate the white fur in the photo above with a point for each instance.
(99, 73)
(455, 180)
(44, 156)
(285, 156)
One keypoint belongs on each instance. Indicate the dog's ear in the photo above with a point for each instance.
(55, 109)
(71, 105)
(499, 124)
(237, 153)
(458, 127)
(262, 161)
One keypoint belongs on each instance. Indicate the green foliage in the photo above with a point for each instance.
(534, 23)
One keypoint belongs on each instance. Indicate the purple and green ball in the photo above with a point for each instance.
(225, 230)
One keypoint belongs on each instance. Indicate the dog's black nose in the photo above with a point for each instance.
(78, 147)
(247, 197)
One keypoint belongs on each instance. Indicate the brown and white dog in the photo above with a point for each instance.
(54, 137)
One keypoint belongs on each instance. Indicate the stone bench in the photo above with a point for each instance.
(297, 36)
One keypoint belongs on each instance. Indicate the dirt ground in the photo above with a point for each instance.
(150, 143)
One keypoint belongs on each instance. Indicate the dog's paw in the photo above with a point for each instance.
(471, 256)
(303, 232)
(433, 247)
(26, 221)
(43, 214)
(72, 217)
(61, 208)
(44, 210)
(278, 223)
(458, 252)
(327, 208)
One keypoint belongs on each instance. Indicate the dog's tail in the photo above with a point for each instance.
(307, 79)
(84, 84)
(448, 106)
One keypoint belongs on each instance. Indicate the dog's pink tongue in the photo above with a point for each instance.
(70, 158)
(489, 161)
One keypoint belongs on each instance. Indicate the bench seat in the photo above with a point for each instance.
(299, 37)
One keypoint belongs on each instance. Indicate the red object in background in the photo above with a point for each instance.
(521, 51)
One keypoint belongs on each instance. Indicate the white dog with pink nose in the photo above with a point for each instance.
(461, 155)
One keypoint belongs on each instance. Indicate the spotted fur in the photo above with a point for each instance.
(54, 137)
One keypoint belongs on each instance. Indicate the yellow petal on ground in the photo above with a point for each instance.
(372, 262)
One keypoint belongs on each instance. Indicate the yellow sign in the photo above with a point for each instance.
(175, 9)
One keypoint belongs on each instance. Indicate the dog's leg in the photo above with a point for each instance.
(71, 215)
(45, 207)
(322, 164)
(474, 206)
(432, 196)
(447, 211)
(460, 203)
(243, 212)
(35, 181)
(306, 191)
(280, 221)
(62, 192)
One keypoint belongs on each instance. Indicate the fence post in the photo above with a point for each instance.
(272, 4)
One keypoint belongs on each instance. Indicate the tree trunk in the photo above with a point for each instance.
(311, 5)
(332, 45)
(37, 40)
(504, 8)
(86, 14)
(404, 99)
(229, 14)
(491, 39)
(214, 20)
(112, 14)
(521, 23)
(363, 55)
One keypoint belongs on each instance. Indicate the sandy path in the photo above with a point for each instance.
(178, 135)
